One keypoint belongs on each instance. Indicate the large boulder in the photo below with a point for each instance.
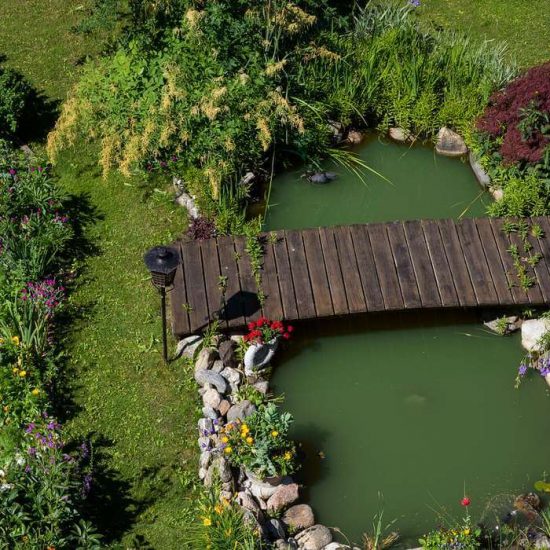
(188, 346)
(284, 496)
(205, 359)
(504, 325)
(247, 501)
(204, 377)
(399, 134)
(299, 517)
(233, 376)
(314, 538)
(240, 410)
(450, 144)
(532, 331)
(211, 398)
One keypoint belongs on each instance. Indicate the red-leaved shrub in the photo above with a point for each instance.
(201, 228)
(505, 117)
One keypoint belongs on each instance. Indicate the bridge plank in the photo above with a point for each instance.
(542, 245)
(385, 266)
(519, 296)
(443, 275)
(405, 269)
(272, 308)
(249, 289)
(425, 276)
(317, 273)
(498, 271)
(476, 262)
(233, 309)
(300, 275)
(457, 263)
(194, 282)
(211, 266)
(367, 271)
(178, 300)
(334, 273)
(286, 285)
(533, 293)
(541, 268)
(350, 271)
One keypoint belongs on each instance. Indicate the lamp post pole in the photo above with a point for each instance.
(162, 262)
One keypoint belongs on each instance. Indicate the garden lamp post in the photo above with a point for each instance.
(162, 262)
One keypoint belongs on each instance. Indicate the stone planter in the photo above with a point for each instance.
(258, 356)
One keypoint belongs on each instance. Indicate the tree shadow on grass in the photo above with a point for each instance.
(109, 504)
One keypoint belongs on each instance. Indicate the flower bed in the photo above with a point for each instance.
(41, 485)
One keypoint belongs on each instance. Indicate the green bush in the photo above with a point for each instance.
(14, 95)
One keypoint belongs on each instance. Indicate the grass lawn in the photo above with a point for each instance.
(523, 24)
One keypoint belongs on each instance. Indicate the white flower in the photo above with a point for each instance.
(6, 486)
(2, 473)
(19, 460)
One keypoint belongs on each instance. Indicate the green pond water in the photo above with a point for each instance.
(405, 411)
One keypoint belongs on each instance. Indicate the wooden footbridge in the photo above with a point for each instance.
(332, 271)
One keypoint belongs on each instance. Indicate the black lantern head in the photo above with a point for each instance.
(162, 262)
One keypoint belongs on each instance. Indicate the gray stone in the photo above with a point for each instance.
(542, 542)
(262, 386)
(299, 517)
(282, 544)
(204, 443)
(498, 325)
(314, 538)
(275, 529)
(205, 459)
(202, 473)
(186, 201)
(211, 398)
(354, 137)
(208, 377)
(261, 491)
(188, 346)
(338, 546)
(532, 331)
(228, 486)
(284, 496)
(248, 178)
(258, 356)
(450, 144)
(480, 174)
(217, 366)
(497, 193)
(224, 406)
(233, 376)
(228, 353)
(205, 359)
(399, 134)
(247, 501)
(209, 412)
(224, 470)
(205, 426)
(240, 410)
(225, 495)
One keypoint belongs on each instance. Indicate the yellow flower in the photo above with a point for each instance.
(274, 433)
(218, 508)
(288, 455)
(15, 340)
(36, 391)
(245, 430)
(14, 370)
(207, 522)
(23, 373)
(225, 439)
(466, 531)
(228, 450)
(244, 427)
(250, 440)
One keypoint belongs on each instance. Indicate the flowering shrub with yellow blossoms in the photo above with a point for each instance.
(260, 443)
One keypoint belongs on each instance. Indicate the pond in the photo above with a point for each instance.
(409, 411)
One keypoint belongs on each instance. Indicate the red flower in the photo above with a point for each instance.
(290, 328)
(251, 325)
(286, 335)
(465, 501)
(280, 330)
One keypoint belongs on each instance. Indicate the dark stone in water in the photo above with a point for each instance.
(319, 177)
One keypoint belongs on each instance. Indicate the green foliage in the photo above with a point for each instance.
(14, 96)
(261, 443)
(462, 536)
(220, 525)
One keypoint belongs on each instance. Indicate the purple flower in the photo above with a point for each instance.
(12, 171)
(414, 3)
(522, 370)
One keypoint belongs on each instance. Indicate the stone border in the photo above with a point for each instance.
(220, 374)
